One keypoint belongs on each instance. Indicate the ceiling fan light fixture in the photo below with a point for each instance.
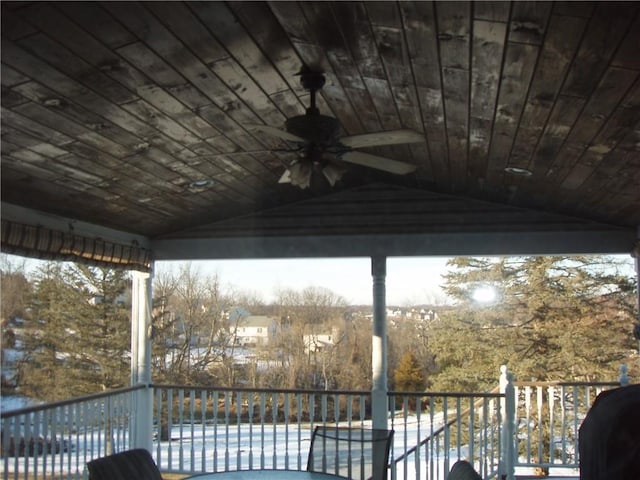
(520, 171)
(300, 174)
(200, 184)
(333, 173)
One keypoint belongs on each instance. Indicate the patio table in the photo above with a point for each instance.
(265, 475)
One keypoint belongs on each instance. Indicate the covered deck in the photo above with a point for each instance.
(136, 132)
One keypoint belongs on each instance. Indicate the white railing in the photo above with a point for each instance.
(199, 429)
(547, 419)
(54, 439)
(434, 430)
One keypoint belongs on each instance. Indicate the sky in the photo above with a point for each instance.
(409, 280)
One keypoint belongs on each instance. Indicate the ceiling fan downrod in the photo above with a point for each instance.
(312, 81)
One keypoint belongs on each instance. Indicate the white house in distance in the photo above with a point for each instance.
(254, 330)
(316, 342)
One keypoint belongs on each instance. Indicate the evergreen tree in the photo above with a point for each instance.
(77, 340)
(554, 317)
(409, 375)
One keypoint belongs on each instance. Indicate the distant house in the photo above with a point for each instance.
(254, 330)
(316, 342)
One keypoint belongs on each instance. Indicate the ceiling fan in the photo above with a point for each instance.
(316, 140)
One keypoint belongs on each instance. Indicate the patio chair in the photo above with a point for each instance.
(463, 470)
(128, 465)
(609, 436)
(354, 453)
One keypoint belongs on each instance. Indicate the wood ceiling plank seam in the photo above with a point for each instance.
(39, 94)
(391, 43)
(332, 53)
(16, 175)
(519, 65)
(604, 34)
(492, 11)
(11, 77)
(454, 24)
(611, 90)
(487, 47)
(621, 122)
(29, 154)
(53, 189)
(26, 125)
(358, 52)
(560, 45)
(167, 46)
(419, 27)
(529, 22)
(11, 98)
(392, 51)
(75, 92)
(149, 114)
(529, 25)
(50, 118)
(303, 48)
(92, 17)
(6, 145)
(81, 41)
(68, 63)
(626, 55)
(49, 193)
(235, 77)
(21, 139)
(263, 26)
(148, 64)
(27, 169)
(582, 9)
(13, 27)
(67, 175)
(174, 17)
(256, 168)
(237, 38)
(564, 114)
(415, 120)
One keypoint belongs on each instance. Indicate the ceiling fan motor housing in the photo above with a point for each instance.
(318, 129)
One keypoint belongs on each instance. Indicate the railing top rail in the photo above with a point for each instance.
(70, 401)
(449, 394)
(492, 394)
(565, 384)
(262, 390)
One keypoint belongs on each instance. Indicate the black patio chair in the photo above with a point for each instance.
(354, 453)
(136, 464)
(463, 470)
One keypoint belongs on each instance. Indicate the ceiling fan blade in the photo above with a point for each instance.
(377, 162)
(382, 138)
(276, 132)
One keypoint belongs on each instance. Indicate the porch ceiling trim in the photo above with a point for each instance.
(427, 244)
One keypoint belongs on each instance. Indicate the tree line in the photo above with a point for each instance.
(567, 318)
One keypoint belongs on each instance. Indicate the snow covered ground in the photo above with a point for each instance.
(199, 448)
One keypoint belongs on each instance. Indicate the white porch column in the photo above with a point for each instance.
(379, 352)
(142, 422)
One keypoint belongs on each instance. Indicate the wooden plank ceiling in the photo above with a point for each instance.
(113, 112)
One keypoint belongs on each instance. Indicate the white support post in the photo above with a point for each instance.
(508, 461)
(636, 254)
(142, 409)
(624, 377)
(379, 401)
